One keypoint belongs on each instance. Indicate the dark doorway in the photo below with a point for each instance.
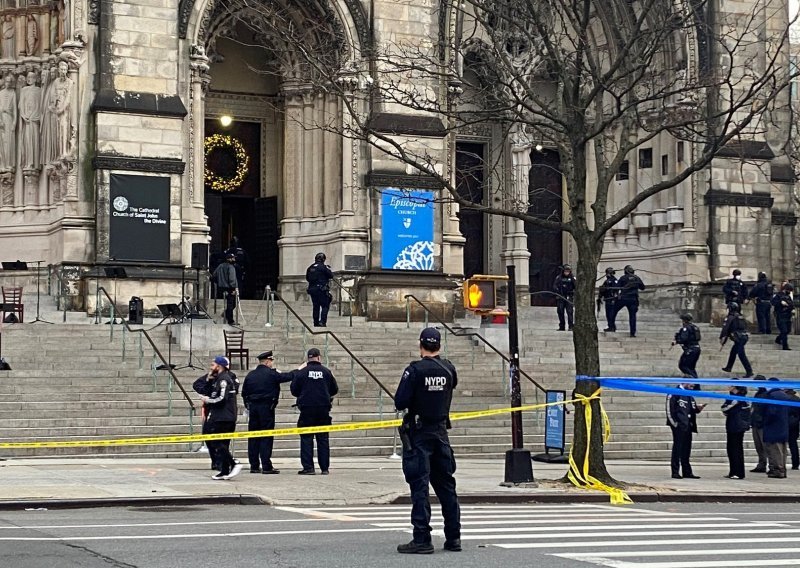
(470, 179)
(243, 213)
(544, 244)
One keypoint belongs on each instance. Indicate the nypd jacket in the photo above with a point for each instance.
(426, 390)
(762, 291)
(263, 384)
(314, 385)
(221, 403)
(784, 306)
(609, 290)
(629, 285)
(564, 285)
(318, 276)
(682, 412)
(735, 290)
(688, 336)
(737, 416)
(734, 328)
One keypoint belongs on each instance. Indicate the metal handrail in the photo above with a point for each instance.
(150, 341)
(339, 302)
(469, 334)
(337, 340)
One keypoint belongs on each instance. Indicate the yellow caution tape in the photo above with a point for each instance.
(581, 477)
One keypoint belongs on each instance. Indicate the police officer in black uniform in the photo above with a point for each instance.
(314, 386)
(784, 306)
(564, 286)
(629, 286)
(260, 393)
(734, 289)
(608, 294)
(762, 294)
(682, 413)
(735, 329)
(319, 277)
(688, 337)
(426, 390)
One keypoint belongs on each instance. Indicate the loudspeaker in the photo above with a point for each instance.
(200, 255)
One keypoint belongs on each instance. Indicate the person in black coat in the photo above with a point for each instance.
(682, 413)
(629, 287)
(784, 306)
(688, 337)
(319, 277)
(762, 294)
(734, 289)
(737, 422)
(794, 428)
(608, 293)
(735, 330)
(219, 397)
(564, 286)
(776, 432)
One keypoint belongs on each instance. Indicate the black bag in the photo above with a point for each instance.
(11, 318)
(4, 366)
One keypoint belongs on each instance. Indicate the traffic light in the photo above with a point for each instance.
(479, 295)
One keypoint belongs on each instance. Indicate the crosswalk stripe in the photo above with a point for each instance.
(610, 563)
(693, 552)
(548, 521)
(557, 528)
(632, 543)
(589, 534)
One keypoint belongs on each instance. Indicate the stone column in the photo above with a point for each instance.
(515, 242)
(349, 84)
(293, 152)
(200, 81)
(332, 157)
(307, 188)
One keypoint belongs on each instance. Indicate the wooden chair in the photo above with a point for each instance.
(12, 302)
(234, 347)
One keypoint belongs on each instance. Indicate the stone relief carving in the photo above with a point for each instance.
(8, 124)
(30, 115)
(56, 128)
(7, 30)
(31, 35)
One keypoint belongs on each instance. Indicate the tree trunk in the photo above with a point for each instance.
(587, 362)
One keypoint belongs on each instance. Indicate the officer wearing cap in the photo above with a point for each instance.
(217, 391)
(225, 279)
(688, 337)
(314, 386)
(426, 391)
(319, 277)
(564, 286)
(260, 393)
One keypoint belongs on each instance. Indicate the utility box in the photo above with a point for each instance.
(136, 311)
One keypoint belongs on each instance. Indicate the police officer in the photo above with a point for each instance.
(314, 386)
(629, 286)
(219, 397)
(608, 293)
(242, 261)
(564, 286)
(734, 289)
(688, 337)
(319, 277)
(762, 294)
(735, 329)
(260, 393)
(784, 306)
(682, 413)
(425, 391)
(225, 279)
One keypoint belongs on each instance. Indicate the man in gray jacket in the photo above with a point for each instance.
(225, 279)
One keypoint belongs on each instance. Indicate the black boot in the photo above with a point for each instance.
(415, 548)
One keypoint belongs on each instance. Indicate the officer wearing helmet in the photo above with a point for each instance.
(735, 329)
(734, 289)
(762, 294)
(426, 391)
(564, 286)
(319, 277)
(608, 294)
(784, 306)
(688, 337)
(629, 285)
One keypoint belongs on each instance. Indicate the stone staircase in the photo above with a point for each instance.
(70, 381)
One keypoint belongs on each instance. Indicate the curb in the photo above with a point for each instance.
(597, 497)
(234, 499)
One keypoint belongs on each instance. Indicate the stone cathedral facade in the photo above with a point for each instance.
(117, 116)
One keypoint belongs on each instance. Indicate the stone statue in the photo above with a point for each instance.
(31, 35)
(56, 128)
(7, 30)
(30, 115)
(8, 124)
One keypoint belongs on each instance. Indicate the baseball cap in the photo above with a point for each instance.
(430, 336)
(222, 361)
(314, 352)
(265, 355)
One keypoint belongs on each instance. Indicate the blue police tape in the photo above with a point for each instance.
(632, 385)
(781, 384)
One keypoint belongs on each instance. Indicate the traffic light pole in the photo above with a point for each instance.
(519, 467)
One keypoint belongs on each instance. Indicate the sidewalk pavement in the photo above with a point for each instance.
(107, 481)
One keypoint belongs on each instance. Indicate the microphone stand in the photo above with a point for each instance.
(38, 280)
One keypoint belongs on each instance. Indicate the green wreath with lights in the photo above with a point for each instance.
(219, 182)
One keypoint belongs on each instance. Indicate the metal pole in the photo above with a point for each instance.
(395, 455)
(408, 312)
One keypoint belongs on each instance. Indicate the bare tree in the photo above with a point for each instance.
(594, 80)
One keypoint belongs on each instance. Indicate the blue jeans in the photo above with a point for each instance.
(430, 460)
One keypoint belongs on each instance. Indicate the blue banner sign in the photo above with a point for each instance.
(554, 421)
(407, 229)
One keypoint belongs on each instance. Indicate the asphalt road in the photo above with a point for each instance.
(552, 536)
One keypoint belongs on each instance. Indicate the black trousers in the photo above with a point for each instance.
(320, 303)
(633, 306)
(762, 315)
(315, 416)
(735, 450)
(784, 326)
(430, 461)
(681, 451)
(561, 307)
(220, 449)
(737, 349)
(230, 305)
(794, 433)
(610, 306)
(688, 361)
(259, 450)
